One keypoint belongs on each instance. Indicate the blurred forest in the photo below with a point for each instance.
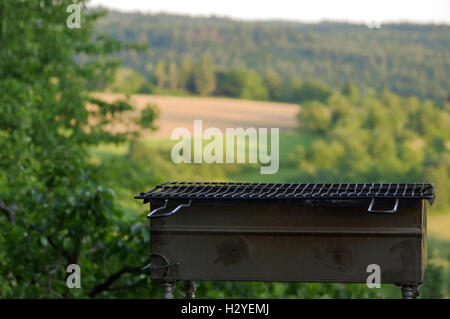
(407, 59)
(374, 108)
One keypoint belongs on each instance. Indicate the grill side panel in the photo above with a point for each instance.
(286, 243)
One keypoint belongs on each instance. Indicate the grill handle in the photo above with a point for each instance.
(165, 264)
(149, 266)
(374, 211)
(152, 213)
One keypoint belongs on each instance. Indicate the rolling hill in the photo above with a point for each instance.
(405, 58)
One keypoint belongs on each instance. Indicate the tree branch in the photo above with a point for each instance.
(137, 283)
(9, 211)
(111, 279)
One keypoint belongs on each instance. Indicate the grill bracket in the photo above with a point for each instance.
(173, 211)
(380, 211)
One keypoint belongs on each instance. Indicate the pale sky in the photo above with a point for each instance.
(362, 11)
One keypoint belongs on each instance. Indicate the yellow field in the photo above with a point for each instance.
(181, 111)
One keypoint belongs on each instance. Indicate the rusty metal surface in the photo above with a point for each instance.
(289, 243)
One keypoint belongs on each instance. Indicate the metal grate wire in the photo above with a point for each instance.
(226, 190)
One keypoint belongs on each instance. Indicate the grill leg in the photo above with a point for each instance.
(168, 290)
(189, 288)
(410, 292)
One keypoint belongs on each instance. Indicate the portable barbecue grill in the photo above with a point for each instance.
(287, 233)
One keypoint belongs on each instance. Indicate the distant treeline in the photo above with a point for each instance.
(201, 78)
(404, 58)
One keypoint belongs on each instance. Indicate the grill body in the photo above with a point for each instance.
(290, 243)
(312, 239)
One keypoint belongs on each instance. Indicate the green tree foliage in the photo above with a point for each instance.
(254, 88)
(312, 91)
(273, 83)
(315, 117)
(161, 74)
(172, 75)
(241, 83)
(351, 91)
(54, 211)
(439, 172)
(230, 83)
(129, 81)
(185, 74)
(204, 76)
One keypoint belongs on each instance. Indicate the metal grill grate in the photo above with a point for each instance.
(217, 190)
